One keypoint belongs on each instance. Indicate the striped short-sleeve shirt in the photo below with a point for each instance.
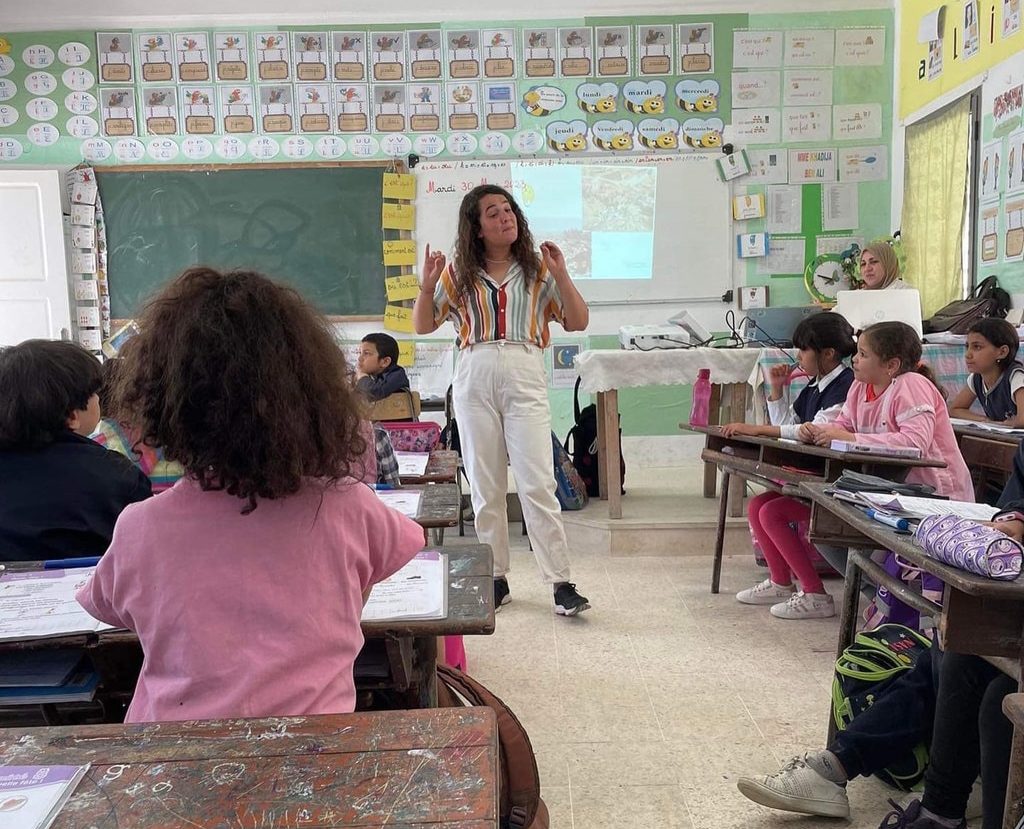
(512, 310)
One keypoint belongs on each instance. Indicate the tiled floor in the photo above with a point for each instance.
(645, 710)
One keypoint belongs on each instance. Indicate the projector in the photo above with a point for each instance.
(650, 337)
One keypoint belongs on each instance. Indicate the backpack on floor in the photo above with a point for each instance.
(583, 435)
(569, 486)
(864, 672)
(520, 806)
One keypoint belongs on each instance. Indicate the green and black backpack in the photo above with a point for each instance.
(864, 672)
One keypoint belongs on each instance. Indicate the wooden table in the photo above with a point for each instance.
(989, 456)
(978, 616)
(782, 465)
(442, 468)
(407, 769)
(439, 505)
(398, 656)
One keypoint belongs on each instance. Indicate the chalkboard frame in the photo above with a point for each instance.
(385, 165)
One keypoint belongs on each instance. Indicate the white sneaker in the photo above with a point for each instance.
(767, 592)
(805, 606)
(796, 787)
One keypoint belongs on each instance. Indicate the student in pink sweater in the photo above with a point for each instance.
(895, 401)
(246, 580)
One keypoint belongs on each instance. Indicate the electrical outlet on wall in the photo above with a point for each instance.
(753, 296)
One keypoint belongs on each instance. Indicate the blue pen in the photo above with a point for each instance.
(899, 524)
(61, 563)
(382, 487)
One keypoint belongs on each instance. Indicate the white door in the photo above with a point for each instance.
(34, 298)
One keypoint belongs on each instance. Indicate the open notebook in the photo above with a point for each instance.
(417, 591)
(909, 506)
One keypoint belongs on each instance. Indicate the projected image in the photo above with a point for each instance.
(601, 217)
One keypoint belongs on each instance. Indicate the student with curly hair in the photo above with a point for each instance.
(246, 580)
(60, 493)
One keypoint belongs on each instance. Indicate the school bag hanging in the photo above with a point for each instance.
(519, 802)
(583, 435)
(864, 673)
(413, 437)
(986, 300)
(569, 486)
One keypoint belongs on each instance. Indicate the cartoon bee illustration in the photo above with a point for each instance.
(573, 144)
(705, 103)
(531, 101)
(709, 140)
(622, 141)
(425, 41)
(665, 141)
(611, 39)
(462, 42)
(654, 105)
(538, 39)
(602, 105)
(310, 43)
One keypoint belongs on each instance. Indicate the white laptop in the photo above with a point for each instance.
(864, 308)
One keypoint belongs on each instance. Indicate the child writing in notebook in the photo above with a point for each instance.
(996, 380)
(823, 342)
(895, 401)
(245, 581)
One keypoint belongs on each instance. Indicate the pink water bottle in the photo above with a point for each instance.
(701, 398)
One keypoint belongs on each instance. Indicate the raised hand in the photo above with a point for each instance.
(554, 261)
(433, 265)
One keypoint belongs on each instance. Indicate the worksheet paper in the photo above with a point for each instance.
(42, 604)
(840, 207)
(785, 208)
(417, 591)
(412, 463)
(406, 501)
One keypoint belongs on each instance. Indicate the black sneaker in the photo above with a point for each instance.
(911, 818)
(567, 601)
(501, 593)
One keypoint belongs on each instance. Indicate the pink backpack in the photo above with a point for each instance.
(413, 437)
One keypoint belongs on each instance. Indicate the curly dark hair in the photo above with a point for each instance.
(468, 259)
(898, 341)
(242, 382)
(43, 382)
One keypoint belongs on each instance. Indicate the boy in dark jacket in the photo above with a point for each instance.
(60, 493)
(378, 365)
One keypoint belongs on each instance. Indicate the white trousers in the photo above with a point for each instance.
(501, 404)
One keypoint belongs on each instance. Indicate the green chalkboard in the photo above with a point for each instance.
(316, 228)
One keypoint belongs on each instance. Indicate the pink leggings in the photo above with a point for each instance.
(773, 520)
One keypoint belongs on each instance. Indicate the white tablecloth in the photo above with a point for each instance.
(603, 370)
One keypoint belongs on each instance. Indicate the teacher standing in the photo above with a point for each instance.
(501, 294)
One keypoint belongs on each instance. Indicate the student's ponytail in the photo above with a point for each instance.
(898, 341)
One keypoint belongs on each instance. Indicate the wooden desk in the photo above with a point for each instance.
(439, 505)
(442, 468)
(782, 466)
(398, 656)
(989, 456)
(978, 616)
(414, 769)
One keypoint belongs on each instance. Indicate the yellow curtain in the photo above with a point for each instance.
(934, 196)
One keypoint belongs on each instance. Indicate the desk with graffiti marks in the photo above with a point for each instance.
(414, 769)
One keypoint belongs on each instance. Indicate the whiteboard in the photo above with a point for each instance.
(693, 240)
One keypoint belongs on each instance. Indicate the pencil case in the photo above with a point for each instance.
(970, 546)
(413, 437)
